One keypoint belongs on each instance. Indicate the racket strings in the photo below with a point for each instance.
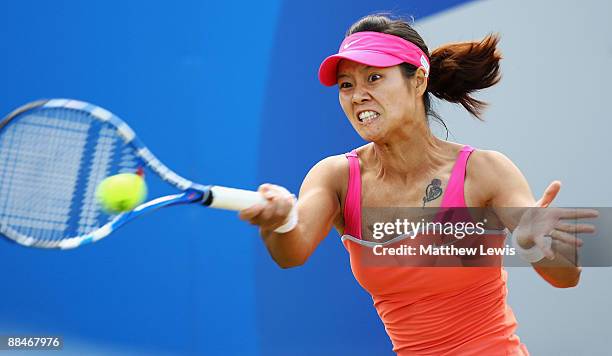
(98, 169)
(41, 154)
(51, 161)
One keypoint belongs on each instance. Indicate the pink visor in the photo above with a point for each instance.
(373, 49)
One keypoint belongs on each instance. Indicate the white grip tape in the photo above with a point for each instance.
(234, 199)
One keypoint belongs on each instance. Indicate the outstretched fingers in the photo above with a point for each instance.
(575, 228)
(566, 237)
(578, 213)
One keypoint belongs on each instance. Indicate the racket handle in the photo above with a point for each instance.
(233, 199)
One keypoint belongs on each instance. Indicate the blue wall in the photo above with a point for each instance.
(223, 92)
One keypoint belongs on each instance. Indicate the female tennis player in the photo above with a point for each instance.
(385, 76)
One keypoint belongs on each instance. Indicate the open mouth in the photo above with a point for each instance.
(367, 116)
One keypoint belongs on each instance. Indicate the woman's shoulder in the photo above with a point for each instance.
(328, 177)
(487, 172)
(480, 161)
(331, 171)
(489, 162)
(332, 164)
(339, 163)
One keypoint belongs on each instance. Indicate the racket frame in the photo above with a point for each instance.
(213, 196)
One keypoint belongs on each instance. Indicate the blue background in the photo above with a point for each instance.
(222, 92)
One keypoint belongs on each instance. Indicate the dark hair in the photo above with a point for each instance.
(457, 69)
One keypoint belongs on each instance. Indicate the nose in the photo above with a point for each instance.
(360, 95)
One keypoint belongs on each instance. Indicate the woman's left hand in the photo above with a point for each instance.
(539, 226)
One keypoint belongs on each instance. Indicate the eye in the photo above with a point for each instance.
(374, 77)
(345, 85)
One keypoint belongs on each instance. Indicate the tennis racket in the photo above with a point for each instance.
(53, 155)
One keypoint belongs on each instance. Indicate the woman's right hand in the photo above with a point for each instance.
(291, 242)
(276, 210)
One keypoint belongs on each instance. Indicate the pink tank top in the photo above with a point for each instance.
(433, 310)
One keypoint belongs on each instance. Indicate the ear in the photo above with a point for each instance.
(420, 81)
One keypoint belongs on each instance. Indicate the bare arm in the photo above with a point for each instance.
(318, 207)
(509, 188)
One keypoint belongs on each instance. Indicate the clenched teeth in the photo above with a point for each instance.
(366, 116)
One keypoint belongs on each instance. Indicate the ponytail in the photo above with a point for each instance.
(459, 69)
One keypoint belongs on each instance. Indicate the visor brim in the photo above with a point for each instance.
(329, 66)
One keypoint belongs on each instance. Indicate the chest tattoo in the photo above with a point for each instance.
(433, 191)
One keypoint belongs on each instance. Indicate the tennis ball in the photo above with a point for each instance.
(121, 192)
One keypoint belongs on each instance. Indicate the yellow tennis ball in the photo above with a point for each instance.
(121, 192)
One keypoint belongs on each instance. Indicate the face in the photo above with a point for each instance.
(380, 103)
